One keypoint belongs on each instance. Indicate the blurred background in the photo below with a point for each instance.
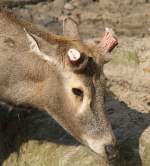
(128, 17)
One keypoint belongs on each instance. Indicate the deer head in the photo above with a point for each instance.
(82, 83)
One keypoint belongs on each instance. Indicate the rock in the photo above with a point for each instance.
(18, 3)
(68, 6)
(145, 147)
(57, 7)
(78, 3)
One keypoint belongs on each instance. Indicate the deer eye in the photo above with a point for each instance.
(77, 92)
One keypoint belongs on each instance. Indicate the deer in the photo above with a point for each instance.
(61, 74)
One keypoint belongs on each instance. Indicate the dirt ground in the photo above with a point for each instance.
(128, 74)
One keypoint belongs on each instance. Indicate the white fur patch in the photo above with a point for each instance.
(98, 145)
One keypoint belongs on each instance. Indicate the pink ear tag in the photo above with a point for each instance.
(108, 41)
(73, 55)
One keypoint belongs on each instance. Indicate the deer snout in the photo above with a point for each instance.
(105, 147)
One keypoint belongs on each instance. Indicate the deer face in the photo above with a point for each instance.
(84, 84)
(84, 88)
(82, 111)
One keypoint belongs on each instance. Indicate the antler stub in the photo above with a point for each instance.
(108, 41)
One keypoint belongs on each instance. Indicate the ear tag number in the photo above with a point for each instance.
(73, 55)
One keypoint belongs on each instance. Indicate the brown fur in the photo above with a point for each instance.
(25, 78)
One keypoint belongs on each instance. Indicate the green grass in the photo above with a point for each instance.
(125, 57)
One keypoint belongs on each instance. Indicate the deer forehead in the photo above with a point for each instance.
(81, 47)
(71, 80)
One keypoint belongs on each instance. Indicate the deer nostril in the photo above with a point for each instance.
(111, 152)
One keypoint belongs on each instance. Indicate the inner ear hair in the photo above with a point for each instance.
(34, 47)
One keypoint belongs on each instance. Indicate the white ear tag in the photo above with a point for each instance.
(74, 55)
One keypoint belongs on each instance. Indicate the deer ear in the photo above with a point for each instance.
(33, 44)
(70, 28)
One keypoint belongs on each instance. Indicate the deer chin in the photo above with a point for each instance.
(96, 145)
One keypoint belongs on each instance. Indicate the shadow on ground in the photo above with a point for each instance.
(128, 125)
(21, 125)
